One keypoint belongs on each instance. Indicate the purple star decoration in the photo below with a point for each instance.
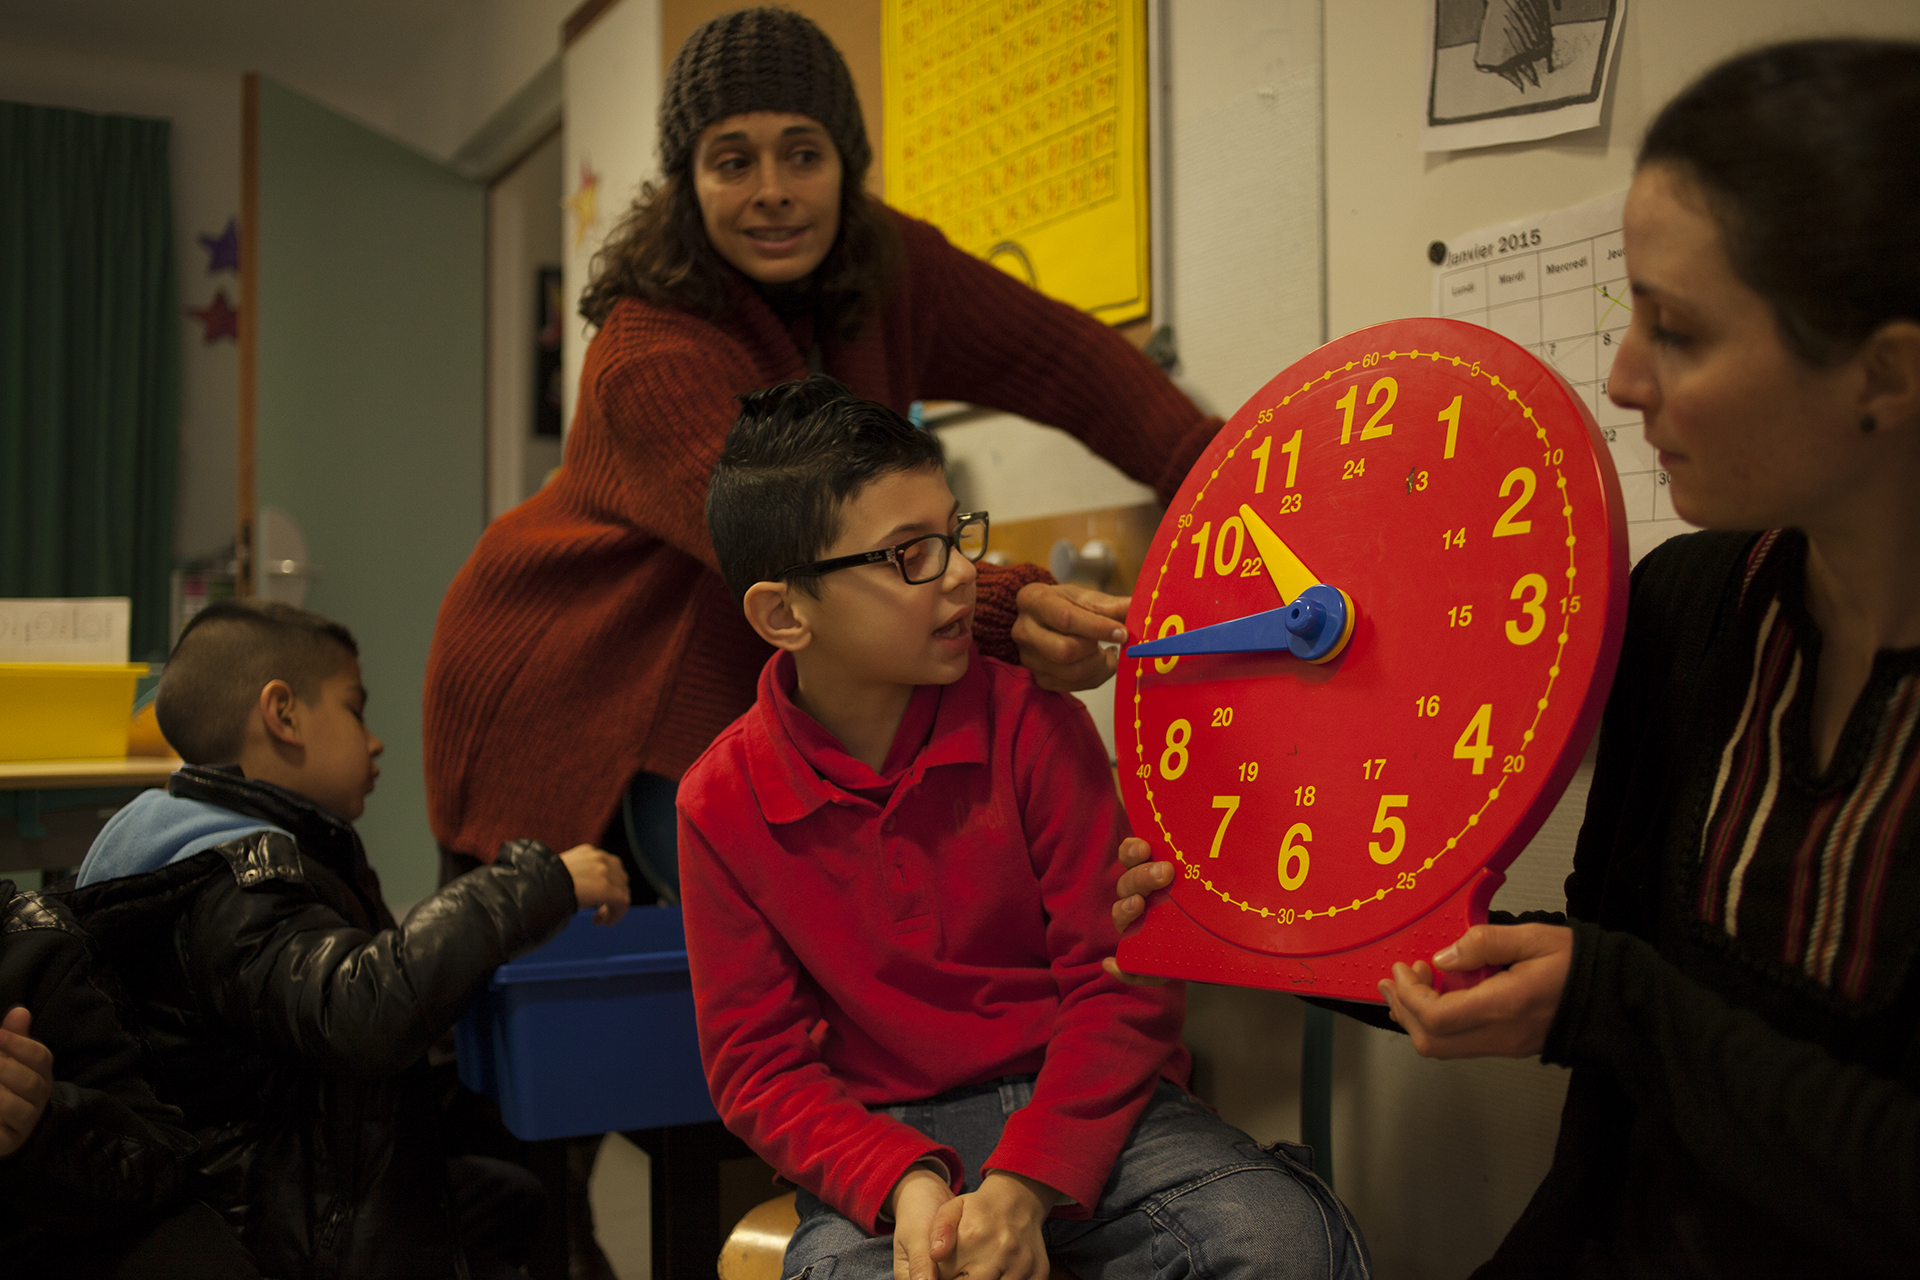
(223, 251)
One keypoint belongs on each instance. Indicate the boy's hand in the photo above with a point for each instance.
(598, 881)
(1141, 878)
(26, 1080)
(923, 1224)
(999, 1236)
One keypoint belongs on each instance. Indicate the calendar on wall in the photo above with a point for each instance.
(1019, 128)
(1557, 285)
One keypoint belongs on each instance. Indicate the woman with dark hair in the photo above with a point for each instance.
(1737, 989)
(589, 649)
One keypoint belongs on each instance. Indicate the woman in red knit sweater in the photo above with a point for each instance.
(589, 644)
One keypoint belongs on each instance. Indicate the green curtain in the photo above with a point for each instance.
(89, 361)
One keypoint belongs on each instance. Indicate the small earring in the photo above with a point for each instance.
(1867, 425)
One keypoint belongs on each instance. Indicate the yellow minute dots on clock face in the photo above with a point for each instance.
(1453, 487)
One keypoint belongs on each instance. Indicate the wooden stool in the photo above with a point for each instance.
(759, 1243)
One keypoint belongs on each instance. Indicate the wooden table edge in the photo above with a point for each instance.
(54, 775)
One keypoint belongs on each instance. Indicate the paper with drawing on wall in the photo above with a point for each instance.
(1516, 70)
(1557, 285)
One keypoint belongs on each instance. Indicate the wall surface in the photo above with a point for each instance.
(371, 423)
(1437, 1159)
(612, 97)
(473, 65)
(1241, 220)
(204, 107)
(525, 231)
(466, 72)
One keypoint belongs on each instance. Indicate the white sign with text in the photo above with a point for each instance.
(64, 630)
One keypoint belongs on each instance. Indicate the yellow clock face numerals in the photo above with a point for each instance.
(1454, 493)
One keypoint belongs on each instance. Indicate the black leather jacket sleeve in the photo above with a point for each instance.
(276, 963)
(105, 1153)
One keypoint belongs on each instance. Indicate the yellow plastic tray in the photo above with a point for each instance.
(66, 710)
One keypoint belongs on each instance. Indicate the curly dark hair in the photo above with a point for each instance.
(660, 252)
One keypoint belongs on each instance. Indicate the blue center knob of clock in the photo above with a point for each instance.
(1310, 628)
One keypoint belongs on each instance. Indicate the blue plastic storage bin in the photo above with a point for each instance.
(591, 1033)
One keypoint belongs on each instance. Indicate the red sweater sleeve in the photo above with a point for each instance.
(987, 338)
(1111, 1042)
(757, 1028)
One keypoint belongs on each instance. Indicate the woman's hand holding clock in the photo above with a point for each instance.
(1505, 1016)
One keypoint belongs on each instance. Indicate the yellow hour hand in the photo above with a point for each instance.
(1290, 577)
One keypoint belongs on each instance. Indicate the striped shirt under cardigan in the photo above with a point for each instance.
(1795, 862)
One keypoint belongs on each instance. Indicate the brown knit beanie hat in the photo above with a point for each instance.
(760, 60)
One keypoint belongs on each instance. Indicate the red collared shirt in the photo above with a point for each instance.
(858, 939)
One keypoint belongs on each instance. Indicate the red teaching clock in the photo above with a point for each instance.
(1372, 639)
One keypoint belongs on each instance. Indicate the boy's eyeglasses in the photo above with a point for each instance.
(922, 559)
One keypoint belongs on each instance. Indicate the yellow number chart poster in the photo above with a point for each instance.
(1019, 128)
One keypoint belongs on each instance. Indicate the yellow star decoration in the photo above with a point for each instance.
(583, 204)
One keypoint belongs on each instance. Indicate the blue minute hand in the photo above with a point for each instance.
(1315, 628)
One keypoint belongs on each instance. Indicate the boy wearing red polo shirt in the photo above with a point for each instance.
(895, 870)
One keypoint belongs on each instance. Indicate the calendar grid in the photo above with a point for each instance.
(1564, 297)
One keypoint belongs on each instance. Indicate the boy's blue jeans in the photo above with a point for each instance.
(1189, 1196)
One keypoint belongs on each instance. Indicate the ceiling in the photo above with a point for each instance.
(370, 43)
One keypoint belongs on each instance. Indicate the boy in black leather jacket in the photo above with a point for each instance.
(285, 1012)
(93, 1170)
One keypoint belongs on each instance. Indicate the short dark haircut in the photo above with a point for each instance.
(230, 651)
(1807, 154)
(794, 457)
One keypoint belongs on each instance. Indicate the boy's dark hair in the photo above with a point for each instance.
(795, 455)
(229, 652)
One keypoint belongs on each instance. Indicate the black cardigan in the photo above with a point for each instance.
(1724, 1117)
